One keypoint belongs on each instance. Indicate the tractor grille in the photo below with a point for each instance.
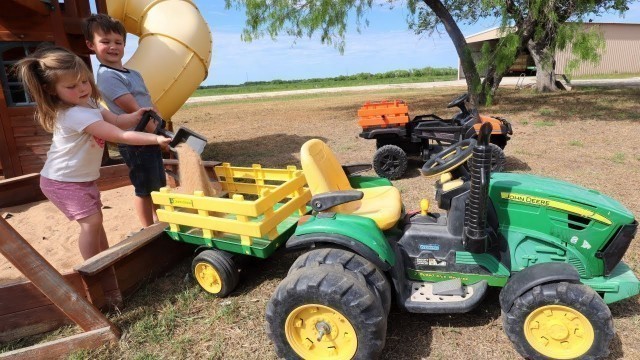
(613, 252)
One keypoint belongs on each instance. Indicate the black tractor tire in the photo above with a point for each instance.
(390, 162)
(376, 280)
(498, 160)
(580, 299)
(216, 272)
(500, 140)
(345, 293)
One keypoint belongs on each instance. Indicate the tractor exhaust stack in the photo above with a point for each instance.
(475, 223)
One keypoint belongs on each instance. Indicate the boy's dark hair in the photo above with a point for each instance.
(105, 24)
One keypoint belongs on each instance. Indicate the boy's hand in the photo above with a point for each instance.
(138, 114)
(151, 126)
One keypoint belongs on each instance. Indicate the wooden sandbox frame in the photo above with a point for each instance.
(30, 307)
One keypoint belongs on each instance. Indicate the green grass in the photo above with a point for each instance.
(606, 76)
(544, 123)
(343, 81)
(618, 158)
(546, 112)
(577, 143)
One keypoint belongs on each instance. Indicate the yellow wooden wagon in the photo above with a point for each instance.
(258, 214)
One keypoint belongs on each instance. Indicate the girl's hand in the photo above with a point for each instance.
(163, 141)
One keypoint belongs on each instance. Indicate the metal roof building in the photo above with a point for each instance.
(620, 55)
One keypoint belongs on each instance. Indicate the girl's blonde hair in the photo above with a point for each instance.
(41, 71)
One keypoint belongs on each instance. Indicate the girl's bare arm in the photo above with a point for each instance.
(111, 133)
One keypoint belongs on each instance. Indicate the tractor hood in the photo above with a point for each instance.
(559, 196)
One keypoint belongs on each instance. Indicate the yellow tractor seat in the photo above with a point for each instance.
(324, 173)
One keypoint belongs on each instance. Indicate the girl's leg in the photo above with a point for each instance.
(93, 240)
(91, 231)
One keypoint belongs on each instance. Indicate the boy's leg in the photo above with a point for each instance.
(146, 173)
(145, 210)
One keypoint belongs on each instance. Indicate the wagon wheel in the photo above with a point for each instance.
(216, 272)
(390, 161)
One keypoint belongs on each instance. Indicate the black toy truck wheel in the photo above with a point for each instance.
(216, 272)
(390, 162)
(326, 312)
(498, 160)
(559, 321)
(375, 278)
(500, 140)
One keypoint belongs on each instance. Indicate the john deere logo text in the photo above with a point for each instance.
(181, 202)
(526, 199)
(557, 205)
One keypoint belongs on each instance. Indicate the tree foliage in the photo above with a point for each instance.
(540, 26)
(328, 18)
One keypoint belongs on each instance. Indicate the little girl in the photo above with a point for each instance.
(66, 104)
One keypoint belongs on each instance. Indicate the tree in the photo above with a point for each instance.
(536, 25)
(539, 26)
(548, 26)
(329, 19)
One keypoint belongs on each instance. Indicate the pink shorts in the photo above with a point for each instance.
(76, 200)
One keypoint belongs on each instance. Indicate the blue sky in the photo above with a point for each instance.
(386, 44)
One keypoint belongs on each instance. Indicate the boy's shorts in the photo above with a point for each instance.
(76, 200)
(146, 171)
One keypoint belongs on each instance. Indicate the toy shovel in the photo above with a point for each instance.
(184, 135)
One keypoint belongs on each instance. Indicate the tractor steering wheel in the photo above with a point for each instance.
(449, 158)
(459, 100)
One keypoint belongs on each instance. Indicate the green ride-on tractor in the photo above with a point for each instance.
(554, 248)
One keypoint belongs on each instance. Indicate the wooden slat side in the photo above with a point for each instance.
(62, 347)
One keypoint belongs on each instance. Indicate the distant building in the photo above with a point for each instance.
(621, 53)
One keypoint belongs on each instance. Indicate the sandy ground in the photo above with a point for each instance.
(56, 238)
(588, 138)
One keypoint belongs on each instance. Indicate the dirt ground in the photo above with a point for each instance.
(588, 137)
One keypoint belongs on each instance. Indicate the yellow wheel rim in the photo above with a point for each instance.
(208, 277)
(320, 332)
(558, 332)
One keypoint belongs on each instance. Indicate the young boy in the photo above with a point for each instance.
(124, 91)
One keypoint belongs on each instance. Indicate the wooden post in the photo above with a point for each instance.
(172, 227)
(258, 177)
(206, 233)
(293, 171)
(268, 213)
(73, 304)
(228, 178)
(245, 240)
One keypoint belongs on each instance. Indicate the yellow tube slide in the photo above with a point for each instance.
(174, 50)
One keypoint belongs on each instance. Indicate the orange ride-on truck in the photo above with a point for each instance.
(398, 138)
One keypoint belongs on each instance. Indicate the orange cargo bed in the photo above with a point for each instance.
(383, 114)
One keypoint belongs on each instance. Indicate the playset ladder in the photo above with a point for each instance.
(98, 329)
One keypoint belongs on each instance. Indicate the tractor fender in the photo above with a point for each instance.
(323, 239)
(535, 275)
